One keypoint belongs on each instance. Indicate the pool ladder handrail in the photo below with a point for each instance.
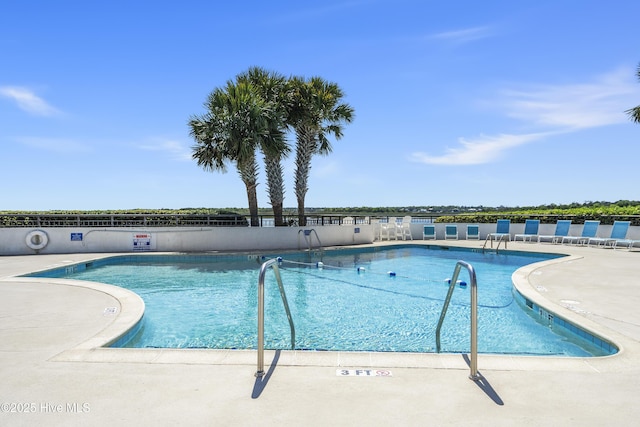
(307, 237)
(473, 365)
(502, 238)
(263, 270)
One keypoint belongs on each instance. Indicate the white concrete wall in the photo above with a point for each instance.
(183, 239)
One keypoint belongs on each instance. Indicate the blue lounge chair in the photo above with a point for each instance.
(451, 231)
(589, 230)
(629, 243)
(618, 233)
(502, 230)
(429, 232)
(530, 230)
(473, 232)
(562, 230)
(501, 235)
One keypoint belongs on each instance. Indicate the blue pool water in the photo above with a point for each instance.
(359, 300)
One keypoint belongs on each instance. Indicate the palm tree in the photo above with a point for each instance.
(634, 113)
(315, 113)
(236, 123)
(272, 87)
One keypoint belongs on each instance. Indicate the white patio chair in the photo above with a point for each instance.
(405, 228)
(389, 229)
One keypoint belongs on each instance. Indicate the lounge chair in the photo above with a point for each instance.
(502, 230)
(562, 230)
(618, 232)
(530, 230)
(389, 229)
(473, 232)
(377, 229)
(589, 230)
(629, 243)
(451, 231)
(501, 235)
(429, 232)
(405, 228)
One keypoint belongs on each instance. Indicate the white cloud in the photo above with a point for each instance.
(59, 145)
(319, 10)
(574, 106)
(28, 101)
(176, 149)
(550, 110)
(463, 36)
(484, 149)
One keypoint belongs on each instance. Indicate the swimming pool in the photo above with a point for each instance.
(382, 299)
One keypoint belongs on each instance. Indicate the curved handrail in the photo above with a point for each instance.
(307, 238)
(474, 315)
(263, 270)
(500, 238)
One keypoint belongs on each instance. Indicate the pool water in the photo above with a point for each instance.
(356, 300)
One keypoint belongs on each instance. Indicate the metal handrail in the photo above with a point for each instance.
(490, 238)
(307, 237)
(263, 269)
(474, 375)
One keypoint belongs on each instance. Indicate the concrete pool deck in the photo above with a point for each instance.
(53, 374)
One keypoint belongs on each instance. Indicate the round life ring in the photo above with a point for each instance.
(37, 239)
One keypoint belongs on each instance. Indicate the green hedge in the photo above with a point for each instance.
(604, 218)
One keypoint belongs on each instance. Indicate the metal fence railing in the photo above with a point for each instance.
(236, 220)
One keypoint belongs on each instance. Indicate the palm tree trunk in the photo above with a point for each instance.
(252, 198)
(302, 218)
(248, 171)
(275, 187)
(305, 148)
(278, 215)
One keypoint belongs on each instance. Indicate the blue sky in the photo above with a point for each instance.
(456, 103)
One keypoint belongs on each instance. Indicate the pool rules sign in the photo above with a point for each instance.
(143, 242)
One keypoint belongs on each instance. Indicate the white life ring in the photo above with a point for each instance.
(37, 239)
